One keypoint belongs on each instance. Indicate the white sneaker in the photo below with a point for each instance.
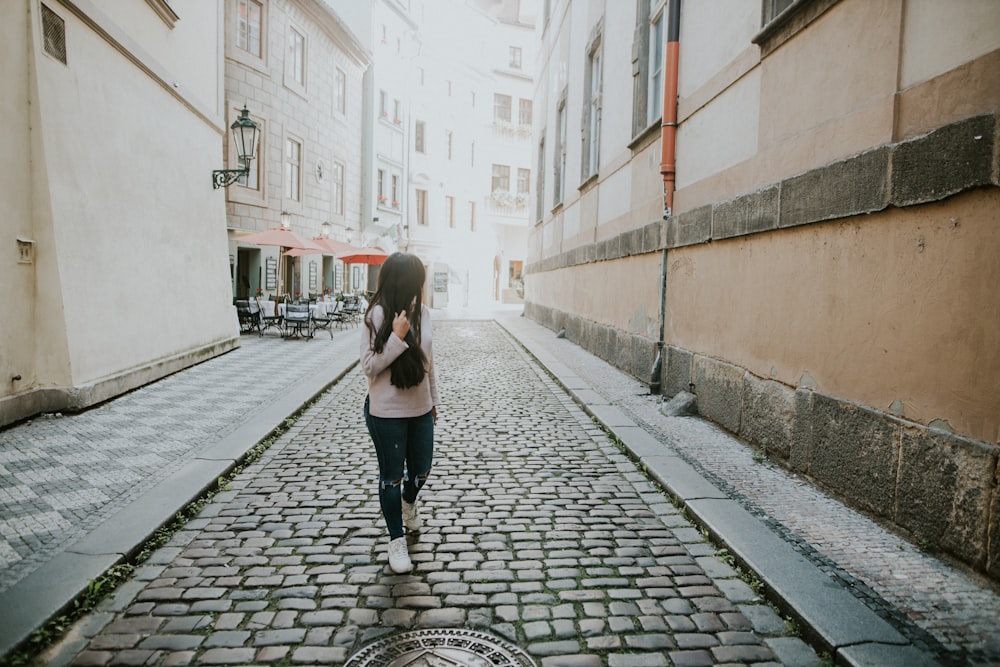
(411, 516)
(399, 557)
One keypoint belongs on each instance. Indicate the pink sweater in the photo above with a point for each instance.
(385, 400)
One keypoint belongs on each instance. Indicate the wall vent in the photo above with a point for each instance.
(54, 34)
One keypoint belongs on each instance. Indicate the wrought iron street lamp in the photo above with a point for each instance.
(286, 220)
(245, 134)
(325, 230)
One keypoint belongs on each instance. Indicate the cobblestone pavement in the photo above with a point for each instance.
(538, 529)
(62, 475)
(937, 605)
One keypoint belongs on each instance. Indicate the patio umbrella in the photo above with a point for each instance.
(364, 256)
(336, 247)
(329, 247)
(284, 238)
(300, 252)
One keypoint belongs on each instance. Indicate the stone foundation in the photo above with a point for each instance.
(939, 488)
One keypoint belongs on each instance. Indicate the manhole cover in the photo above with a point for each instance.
(440, 648)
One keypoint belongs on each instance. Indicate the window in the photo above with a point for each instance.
(523, 181)
(383, 103)
(421, 207)
(293, 170)
(515, 57)
(296, 58)
(418, 137)
(448, 85)
(381, 188)
(420, 75)
(472, 154)
(337, 205)
(501, 108)
(524, 112)
(448, 136)
(248, 26)
(340, 91)
(397, 112)
(592, 113)
(472, 216)
(540, 185)
(501, 178)
(560, 154)
(654, 105)
(449, 211)
(395, 191)
(473, 100)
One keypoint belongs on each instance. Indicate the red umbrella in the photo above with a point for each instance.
(364, 256)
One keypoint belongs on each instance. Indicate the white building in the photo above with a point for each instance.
(114, 116)
(445, 142)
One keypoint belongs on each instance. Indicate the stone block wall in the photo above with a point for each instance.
(940, 487)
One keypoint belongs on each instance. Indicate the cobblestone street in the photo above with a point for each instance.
(537, 529)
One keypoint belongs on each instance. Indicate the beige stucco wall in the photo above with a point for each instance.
(107, 169)
(622, 293)
(17, 340)
(134, 216)
(940, 36)
(900, 306)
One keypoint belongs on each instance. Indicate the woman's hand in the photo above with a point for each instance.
(401, 325)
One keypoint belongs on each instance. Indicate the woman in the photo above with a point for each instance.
(400, 409)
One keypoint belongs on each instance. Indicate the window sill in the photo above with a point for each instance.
(588, 183)
(647, 136)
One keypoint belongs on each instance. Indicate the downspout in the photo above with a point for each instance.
(668, 126)
(668, 167)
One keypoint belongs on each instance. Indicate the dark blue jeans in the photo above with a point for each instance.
(403, 442)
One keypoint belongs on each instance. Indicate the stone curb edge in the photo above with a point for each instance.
(830, 615)
(51, 588)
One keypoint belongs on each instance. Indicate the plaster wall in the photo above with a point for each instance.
(122, 236)
(17, 342)
(721, 134)
(717, 42)
(896, 310)
(940, 36)
(622, 293)
(198, 24)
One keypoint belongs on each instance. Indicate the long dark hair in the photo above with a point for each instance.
(400, 287)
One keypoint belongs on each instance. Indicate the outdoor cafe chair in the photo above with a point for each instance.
(324, 321)
(248, 319)
(268, 320)
(298, 321)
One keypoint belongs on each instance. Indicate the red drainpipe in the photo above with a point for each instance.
(668, 126)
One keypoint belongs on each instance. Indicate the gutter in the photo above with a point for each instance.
(668, 165)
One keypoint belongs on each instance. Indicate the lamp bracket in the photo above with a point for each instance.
(223, 178)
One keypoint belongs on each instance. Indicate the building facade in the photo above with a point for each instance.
(299, 69)
(803, 236)
(114, 115)
(439, 69)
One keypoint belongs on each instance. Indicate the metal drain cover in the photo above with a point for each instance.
(440, 648)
